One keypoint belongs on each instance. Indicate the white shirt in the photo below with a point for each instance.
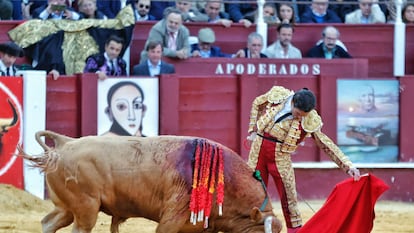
(3, 69)
(123, 3)
(172, 41)
(276, 50)
(139, 17)
(154, 70)
(287, 107)
(108, 62)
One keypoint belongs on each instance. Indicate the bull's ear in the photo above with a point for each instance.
(256, 215)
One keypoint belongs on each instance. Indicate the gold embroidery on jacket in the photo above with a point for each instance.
(263, 103)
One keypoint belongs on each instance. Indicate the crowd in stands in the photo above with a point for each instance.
(240, 11)
(169, 35)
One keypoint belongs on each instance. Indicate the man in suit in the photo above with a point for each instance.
(9, 52)
(173, 35)
(108, 63)
(142, 9)
(153, 66)
(190, 12)
(205, 48)
(328, 48)
(254, 47)
(213, 9)
(318, 12)
(369, 12)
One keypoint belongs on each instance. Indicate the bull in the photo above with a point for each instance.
(154, 178)
(7, 123)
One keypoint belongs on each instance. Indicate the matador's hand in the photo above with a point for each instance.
(252, 136)
(354, 172)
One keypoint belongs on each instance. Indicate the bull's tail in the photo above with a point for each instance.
(58, 139)
(47, 162)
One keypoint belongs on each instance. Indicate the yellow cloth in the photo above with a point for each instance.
(77, 44)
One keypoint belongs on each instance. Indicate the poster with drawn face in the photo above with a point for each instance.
(368, 119)
(128, 107)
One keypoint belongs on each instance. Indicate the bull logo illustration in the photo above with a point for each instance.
(7, 123)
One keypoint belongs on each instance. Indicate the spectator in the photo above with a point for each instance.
(27, 10)
(126, 109)
(254, 46)
(9, 52)
(142, 9)
(408, 13)
(343, 7)
(88, 10)
(173, 35)
(108, 63)
(391, 11)
(205, 48)
(318, 12)
(55, 9)
(286, 13)
(158, 8)
(368, 12)
(214, 14)
(283, 47)
(238, 9)
(153, 66)
(269, 14)
(17, 9)
(190, 13)
(29, 7)
(328, 48)
(6, 10)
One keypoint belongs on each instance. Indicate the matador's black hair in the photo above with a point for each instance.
(304, 99)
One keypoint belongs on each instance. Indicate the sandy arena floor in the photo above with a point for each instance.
(21, 212)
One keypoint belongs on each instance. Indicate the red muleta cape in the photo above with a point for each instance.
(349, 208)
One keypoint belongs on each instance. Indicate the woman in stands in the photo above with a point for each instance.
(286, 13)
(408, 13)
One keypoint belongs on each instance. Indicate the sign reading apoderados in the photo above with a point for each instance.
(265, 67)
(268, 69)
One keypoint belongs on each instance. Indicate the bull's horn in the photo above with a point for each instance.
(6, 123)
(268, 224)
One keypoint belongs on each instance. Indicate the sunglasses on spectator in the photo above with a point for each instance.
(144, 6)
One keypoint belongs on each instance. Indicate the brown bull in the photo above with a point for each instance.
(146, 177)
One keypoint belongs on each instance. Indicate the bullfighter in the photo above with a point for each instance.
(279, 121)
